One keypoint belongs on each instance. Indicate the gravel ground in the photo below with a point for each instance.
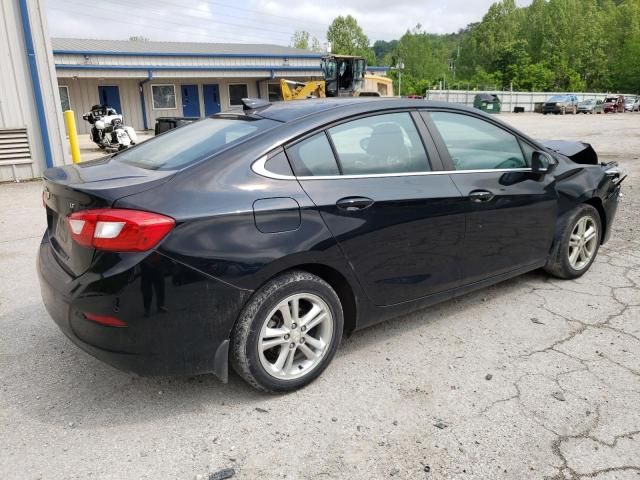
(530, 379)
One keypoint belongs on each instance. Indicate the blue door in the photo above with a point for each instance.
(190, 101)
(211, 99)
(110, 95)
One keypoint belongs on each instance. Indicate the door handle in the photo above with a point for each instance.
(352, 204)
(481, 196)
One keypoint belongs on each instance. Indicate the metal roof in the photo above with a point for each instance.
(120, 47)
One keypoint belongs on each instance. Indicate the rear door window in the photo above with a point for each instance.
(475, 144)
(381, 144)
(313, 156)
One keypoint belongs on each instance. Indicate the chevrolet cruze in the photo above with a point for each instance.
(260, 238)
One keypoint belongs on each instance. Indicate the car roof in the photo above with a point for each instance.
(297, 109)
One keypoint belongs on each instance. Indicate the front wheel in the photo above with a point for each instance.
(288, 333)
(577, 243)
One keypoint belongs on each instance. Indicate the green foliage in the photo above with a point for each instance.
(347, 38)
(384, 51)
(561, 45)
(304, 40)
(564, 45)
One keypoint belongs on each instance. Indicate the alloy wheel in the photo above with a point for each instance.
(583, 243)
(295, 336)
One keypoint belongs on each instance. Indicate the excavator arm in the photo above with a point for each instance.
(291, 90)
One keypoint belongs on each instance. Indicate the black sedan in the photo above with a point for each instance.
(260, 238)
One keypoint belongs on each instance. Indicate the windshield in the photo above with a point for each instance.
(558, 98)
(330, 67)
(588, 102)
(186, 145)
(611, 99)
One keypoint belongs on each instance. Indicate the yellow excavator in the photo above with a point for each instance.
(343, 77)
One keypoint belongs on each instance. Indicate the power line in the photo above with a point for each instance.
(324, 26)
(244, 26)
(147, 11)
(290, 19)
(231, 36)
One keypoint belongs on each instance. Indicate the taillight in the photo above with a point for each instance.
(119, 230)
(105, 320)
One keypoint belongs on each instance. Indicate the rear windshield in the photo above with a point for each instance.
(186, 145)
(558, 98)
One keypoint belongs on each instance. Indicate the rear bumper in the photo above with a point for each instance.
(178, 320)
(610, 205)
(551, 109)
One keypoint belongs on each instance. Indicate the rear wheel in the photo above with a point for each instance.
(577, 244)
(288, 333)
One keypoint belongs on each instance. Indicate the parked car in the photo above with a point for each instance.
(260, 238)
(487, 102)
(630, 104)
(613, 104)
(561, 104)
(636, 105)
(590, 106)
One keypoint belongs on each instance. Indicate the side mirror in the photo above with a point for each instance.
(542, 162)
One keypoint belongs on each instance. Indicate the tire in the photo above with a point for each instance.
(258, 366)
(560, 264)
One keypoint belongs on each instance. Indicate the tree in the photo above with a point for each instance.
(562, 45)
(305, 41)
(347, 38)
(384, 51)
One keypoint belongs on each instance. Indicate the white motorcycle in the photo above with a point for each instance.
(108, 131)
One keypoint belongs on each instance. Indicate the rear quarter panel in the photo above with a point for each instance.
(216, 232)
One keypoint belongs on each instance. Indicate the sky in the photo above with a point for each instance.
(254, 21)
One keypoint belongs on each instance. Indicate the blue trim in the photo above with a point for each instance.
(379, 69)
(65, 66)
(142, 103)
(186, 54)
(35, 82)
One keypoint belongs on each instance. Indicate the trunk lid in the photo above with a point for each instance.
(96, 184)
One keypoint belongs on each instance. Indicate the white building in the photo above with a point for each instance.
(142, 80)
(147, 80)
(31, 129)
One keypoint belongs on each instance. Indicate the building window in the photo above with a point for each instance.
(275, 93)
(64, 98)
(237, 92)
(164, 97)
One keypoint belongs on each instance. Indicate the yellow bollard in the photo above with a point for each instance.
(70, 122)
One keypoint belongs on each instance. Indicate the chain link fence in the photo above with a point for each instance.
(530, 101)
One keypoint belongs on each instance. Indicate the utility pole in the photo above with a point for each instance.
(399, 67)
